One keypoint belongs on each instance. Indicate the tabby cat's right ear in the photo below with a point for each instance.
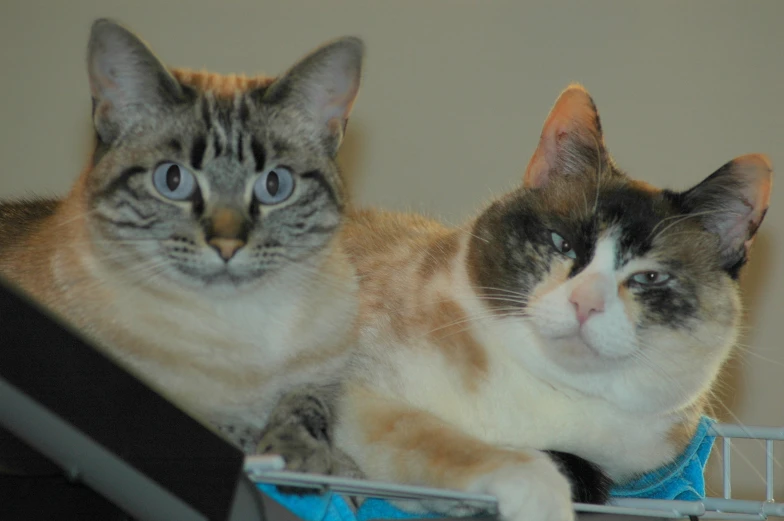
(324, 85)
(128, 83)
(571, 142)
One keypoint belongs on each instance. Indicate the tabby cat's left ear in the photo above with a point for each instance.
(129, 85)
(324, 86)
(732, 203)
(571, 141)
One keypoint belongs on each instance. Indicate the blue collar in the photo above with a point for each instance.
(682, 479)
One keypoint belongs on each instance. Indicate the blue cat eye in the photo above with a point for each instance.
(650, 278)
(562, 246)
(274, 186)
(174, 181)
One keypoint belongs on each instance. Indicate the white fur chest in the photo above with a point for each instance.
(513, 408)
(225, 359)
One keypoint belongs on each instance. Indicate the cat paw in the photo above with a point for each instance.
(304, 453)
(535, 490)
(300, 451)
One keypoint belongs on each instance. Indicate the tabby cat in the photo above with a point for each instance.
(199, 246)
(585, 312)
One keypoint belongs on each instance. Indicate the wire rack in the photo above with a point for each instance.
(269, 469)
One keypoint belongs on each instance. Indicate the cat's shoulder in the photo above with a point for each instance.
(365, 227)
(20, 217)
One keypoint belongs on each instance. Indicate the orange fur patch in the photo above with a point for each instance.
(226, 223)
(438, 253)
(223, 86)
(644, 186)
(558, 274)
(449, 331)
(681, 433)
(631, 307)
(429, 450)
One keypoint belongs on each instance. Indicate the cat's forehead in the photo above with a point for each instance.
(640, 217)
(222, 86)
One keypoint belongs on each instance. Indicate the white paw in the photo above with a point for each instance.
(533, 491)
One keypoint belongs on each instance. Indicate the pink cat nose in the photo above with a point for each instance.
(588, 296)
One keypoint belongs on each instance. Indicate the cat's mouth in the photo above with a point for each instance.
(575, 344)
(225, 276)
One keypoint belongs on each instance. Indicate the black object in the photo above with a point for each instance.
(91, 422)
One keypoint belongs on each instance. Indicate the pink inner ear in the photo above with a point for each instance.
(742, 212)
(757, 171)
(573, 117)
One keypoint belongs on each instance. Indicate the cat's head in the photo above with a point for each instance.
(208, 181)
(612, 286)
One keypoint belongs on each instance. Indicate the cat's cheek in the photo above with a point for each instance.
(553, 316)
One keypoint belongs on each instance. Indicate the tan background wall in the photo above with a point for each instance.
(452, 103)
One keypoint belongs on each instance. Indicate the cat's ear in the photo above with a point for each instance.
(127, 82)
(571, 140)
(324, 85)
(732, 203)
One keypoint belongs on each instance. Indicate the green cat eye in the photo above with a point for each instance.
(562, 246)
(650, 278)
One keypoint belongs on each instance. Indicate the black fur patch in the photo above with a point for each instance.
(511, 250)
(589, 482)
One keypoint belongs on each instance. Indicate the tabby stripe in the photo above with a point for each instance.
(175, 145)
(318, 176)
(197, 152)
(122, 180)
(258, 154)
(244, 111)
(320, 229)
(240, 151)
(217, 145)
(205, 113)
(310, 213)
(148, 222)
(279, 147)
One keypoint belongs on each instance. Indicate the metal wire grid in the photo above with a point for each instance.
(269, 469)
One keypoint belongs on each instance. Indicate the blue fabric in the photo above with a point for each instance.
(313, 507)
(682, 479)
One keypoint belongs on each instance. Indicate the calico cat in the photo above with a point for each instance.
(199, 245)
(585, 312)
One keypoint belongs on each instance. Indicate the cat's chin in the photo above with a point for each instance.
(576, 354)
(218, 282)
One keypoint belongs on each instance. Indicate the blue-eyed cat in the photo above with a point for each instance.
(199, 246)
(585, 312)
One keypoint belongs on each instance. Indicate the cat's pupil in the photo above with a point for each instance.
(566, 247)
(651, 276)
(273, 183)
(173, 177)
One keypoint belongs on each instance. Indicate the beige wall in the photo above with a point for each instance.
(452, 103)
